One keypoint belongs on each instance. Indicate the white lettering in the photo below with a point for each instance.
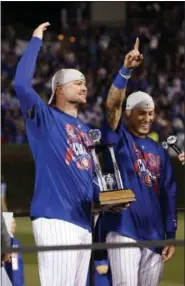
(141, 166)
(79, 149)
(75, 149)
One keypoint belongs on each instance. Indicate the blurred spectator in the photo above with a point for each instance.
(5, 240)
(99, 53)
(3, 195)
(15, 266)
(154, 135)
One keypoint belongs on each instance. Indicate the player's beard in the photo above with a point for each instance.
(142, 131)
(137, 130)
(78, 101)
(78, 105)
(82, 104)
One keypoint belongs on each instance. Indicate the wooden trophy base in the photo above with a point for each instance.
(114, 198)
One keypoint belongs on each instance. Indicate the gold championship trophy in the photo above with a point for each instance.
(112, 193)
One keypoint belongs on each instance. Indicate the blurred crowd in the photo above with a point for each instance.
(99, 53)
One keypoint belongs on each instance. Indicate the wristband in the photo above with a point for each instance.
(122, 78)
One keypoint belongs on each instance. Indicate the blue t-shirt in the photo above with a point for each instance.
(59, 144)
(145, 169)
(15, 267)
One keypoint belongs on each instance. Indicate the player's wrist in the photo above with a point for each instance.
(36, 39)
(126, 71)
(36, 42)
(122, 78)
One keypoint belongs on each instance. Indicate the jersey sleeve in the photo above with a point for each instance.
(168, 196)
(34, 110)
(109, 136)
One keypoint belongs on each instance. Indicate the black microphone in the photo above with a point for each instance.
(171, 141)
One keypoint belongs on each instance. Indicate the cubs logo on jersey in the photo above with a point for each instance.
(77, 144)
(147, 166)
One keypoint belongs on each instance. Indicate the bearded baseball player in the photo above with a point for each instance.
(61, 205)
(145, 169)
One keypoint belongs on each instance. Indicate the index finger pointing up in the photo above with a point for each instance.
(136, 46)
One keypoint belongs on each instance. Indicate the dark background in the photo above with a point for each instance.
(32, 14)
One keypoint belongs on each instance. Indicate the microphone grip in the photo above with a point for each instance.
(176, 149)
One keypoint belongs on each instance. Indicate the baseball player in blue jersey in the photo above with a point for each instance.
(146, 169)
(61, 205)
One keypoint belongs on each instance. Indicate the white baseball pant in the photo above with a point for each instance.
(133, 266)
(62, 268)
(5, 280)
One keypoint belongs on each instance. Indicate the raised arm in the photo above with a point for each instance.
(116, 94)
(25, 71)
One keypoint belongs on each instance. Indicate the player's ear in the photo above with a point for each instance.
(127, 114)
(58, 92)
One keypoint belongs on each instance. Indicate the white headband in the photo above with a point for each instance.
(139, 99)
(64, 76)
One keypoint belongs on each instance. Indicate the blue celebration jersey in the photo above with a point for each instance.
(146, 169)
(59, 144)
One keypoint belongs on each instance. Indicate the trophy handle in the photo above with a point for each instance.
(116, 169)
(101, 180)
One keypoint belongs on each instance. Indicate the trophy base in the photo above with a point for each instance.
(114, 197)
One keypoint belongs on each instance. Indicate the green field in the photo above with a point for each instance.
(173, 273)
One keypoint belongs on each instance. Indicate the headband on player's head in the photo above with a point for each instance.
(64, 76)
(139, 99)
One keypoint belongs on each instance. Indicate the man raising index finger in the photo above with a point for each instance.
(146, 169)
